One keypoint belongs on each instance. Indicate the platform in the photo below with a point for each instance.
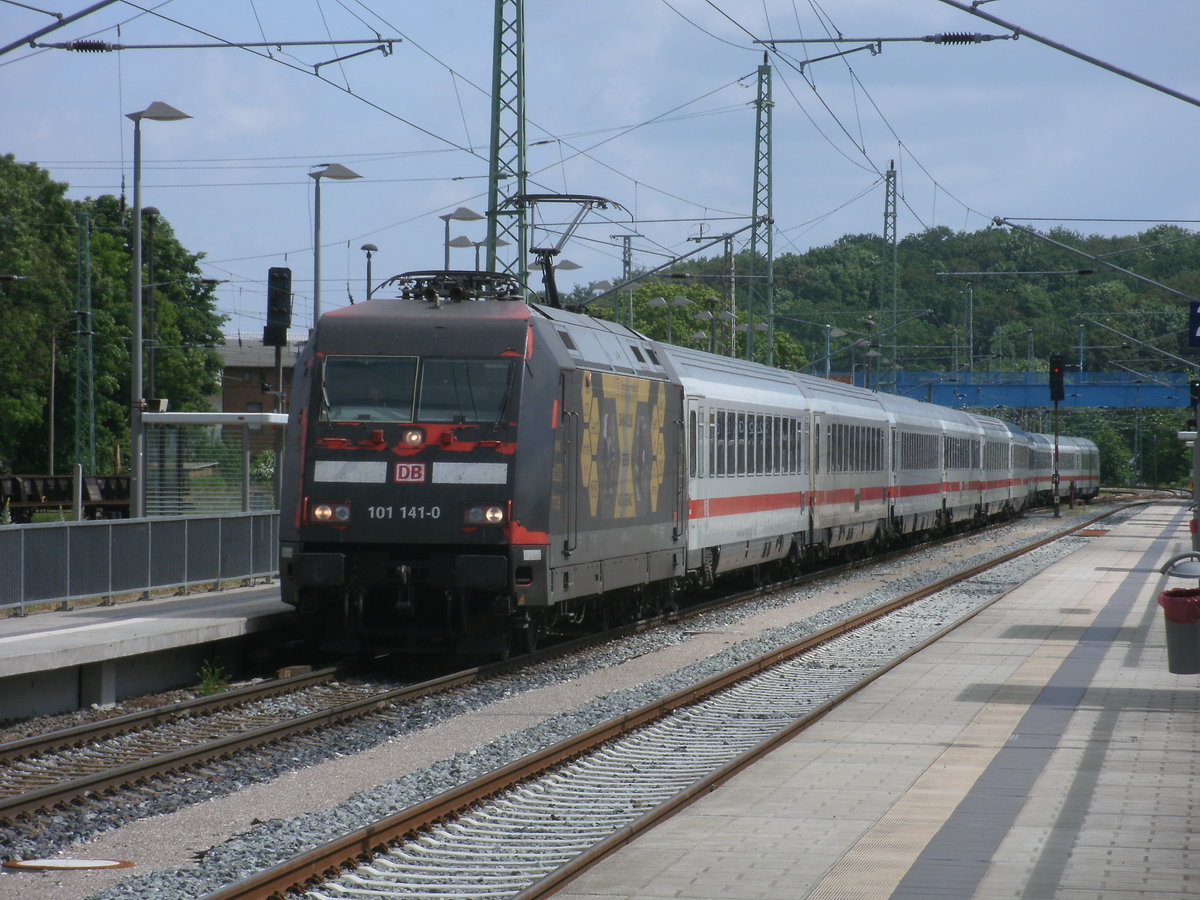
(1042, 750)
(56, 661)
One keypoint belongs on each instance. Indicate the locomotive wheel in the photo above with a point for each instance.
(354, 611)
(527, 635)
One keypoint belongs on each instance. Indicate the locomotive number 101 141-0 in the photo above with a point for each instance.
(404, 512)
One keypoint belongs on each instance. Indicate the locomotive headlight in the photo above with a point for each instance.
(331, 512)
(485, 515)
(412, 437)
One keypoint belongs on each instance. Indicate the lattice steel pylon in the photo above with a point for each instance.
(506, 217)
(889, 247)
(85, 369)
(760, 279)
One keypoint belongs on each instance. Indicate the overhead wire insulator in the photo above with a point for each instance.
(958, 37)
(90, 46)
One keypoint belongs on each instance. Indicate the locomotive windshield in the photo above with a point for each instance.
(409, 389)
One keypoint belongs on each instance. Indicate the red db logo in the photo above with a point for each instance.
(410, 472)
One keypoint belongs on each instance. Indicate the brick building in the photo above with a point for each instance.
(248, 382)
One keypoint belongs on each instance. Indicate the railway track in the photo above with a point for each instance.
(524, 829)
(58, 769)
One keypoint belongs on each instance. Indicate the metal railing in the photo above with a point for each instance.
(61, 562)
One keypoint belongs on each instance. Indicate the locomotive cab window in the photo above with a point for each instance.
(406, 389)
(463, 390)
(368, 388)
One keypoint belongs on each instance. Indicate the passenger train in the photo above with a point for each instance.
(467, 471)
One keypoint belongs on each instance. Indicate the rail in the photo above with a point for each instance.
(58, 563)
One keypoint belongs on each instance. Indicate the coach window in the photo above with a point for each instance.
(722, 444)
(713, 437)
(692, 442)
(768, 440)
(741, 443)
(776, 461)
(781, 447)
(749, 443)
(759, 445)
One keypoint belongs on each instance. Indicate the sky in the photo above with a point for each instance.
(648, 103)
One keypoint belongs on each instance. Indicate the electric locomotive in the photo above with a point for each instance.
(454, 477)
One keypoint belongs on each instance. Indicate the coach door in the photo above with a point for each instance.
(893, 465)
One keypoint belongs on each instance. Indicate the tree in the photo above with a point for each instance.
(40, 245)
(37, 229)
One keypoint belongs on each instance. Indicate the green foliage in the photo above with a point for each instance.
(40, 241)
(213, 679)
(262, 467)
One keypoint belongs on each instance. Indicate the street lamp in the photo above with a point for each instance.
(340, 173)
(461, 242)
(157, 112)
(151, 215)
(677, 301)
(462, 214)
(369, 249)
(500, 242)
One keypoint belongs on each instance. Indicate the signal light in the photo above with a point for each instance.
(1194, 388)
(279, 306)
(1056, 377)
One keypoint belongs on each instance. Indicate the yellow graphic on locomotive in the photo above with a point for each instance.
(622, 445)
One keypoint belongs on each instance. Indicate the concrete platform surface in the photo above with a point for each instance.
(52, 662)
(89, 634)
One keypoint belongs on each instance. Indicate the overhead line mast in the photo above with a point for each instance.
(761, 285)
(507, 219)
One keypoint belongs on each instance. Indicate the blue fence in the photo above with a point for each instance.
(60, 562)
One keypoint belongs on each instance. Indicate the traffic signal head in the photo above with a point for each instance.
(1194, 387)
(1056, 377)
(279, 306)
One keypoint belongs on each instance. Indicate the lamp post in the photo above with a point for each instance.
(462, 214)
(659, 302)
(369, 249)
(151, 215)
(461, 242)
(157, 112)
(500, 242)
(340, 173)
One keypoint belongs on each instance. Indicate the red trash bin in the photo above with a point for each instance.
(1181, 609)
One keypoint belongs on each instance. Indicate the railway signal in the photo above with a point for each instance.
(279, 306)
(1056, 377)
